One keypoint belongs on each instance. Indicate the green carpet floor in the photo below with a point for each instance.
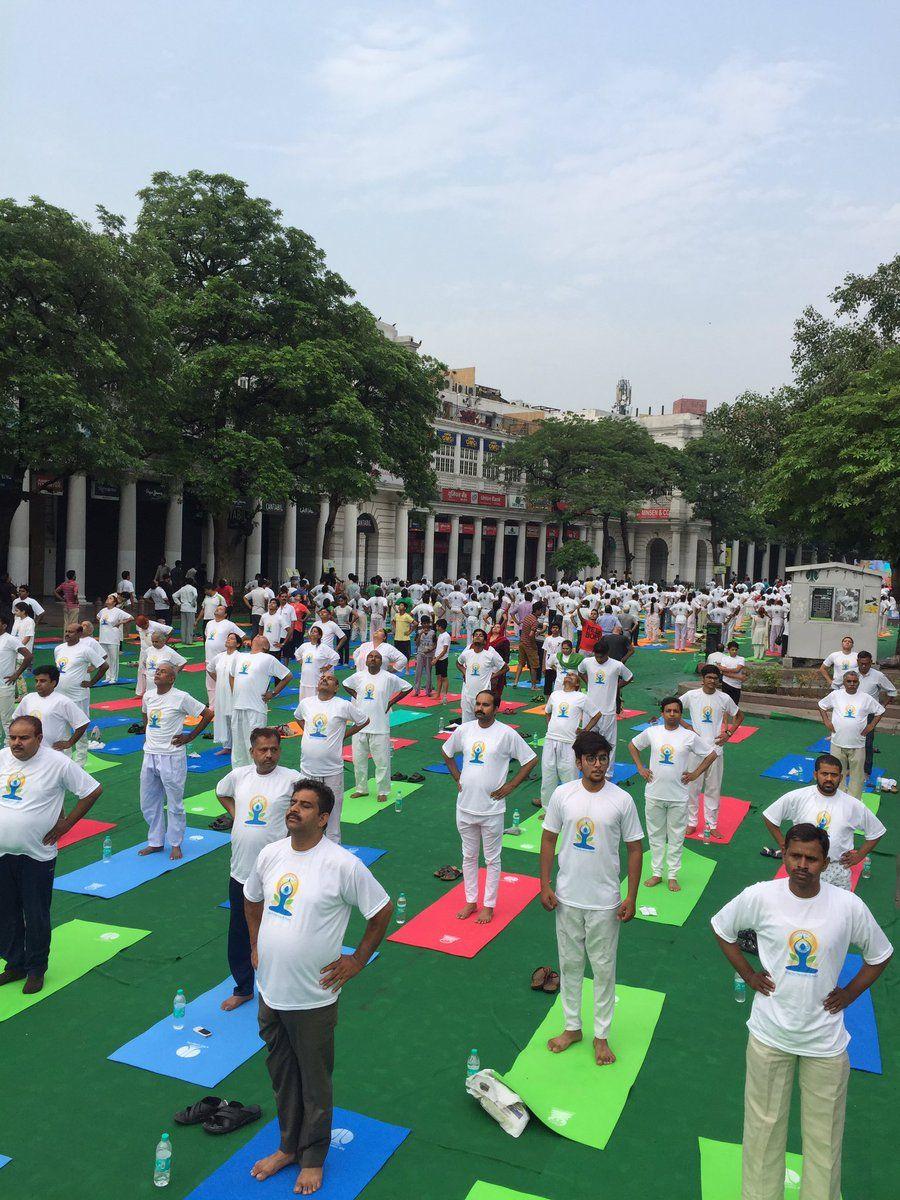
(78, 1126)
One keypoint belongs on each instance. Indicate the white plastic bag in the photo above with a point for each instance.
(499, 1101)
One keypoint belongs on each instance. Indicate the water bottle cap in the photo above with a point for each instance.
(164, 1138)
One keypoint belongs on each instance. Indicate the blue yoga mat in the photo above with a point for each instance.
(796, 768)
(442, 768)
(822, 746)
(623, 771)
(122, 682)
(643, 725)
(206, 760)
(360, 1146)
(872, 782)
(111, 722)
(127, 870)
(126, 745)
(184, 1054)
(859, 1017)
(4, 1159)
(366, 854)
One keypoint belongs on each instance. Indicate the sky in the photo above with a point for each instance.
(558, 194)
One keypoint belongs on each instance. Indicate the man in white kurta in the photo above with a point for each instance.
(326, 721)
(375, 691)
(251, 691)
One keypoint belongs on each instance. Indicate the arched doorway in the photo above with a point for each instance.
(366, 546)
(701, 567)
(657, 561)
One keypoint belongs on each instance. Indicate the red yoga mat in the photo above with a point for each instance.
(437, 927)
(410, 701)
(742, 733)
(201, 666)
(855, 873)
(82, 829)
(396, 744)
(731, 812)
(116, 705)
(627, 713)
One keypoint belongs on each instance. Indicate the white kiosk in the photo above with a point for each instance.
(830, 601)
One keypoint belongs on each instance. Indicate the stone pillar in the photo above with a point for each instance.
(453, 554)
(401, 541)
(289, 541)
(428, 567)
(20, 540)
(541, 565)
(76, 528)
(735, 556)
(498, 548)
(253, 549)
(798, 555)
(750, 567)
(174, 519)
(691, 558)
(598, 549)
(209, 548)
(475, 568)
(782, 561)
(128, 528)
(674, 567)
(520, 552)
(767, 558)
(320, 542)
(351, 539)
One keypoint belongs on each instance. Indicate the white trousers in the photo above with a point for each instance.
(471, 626)
(608, 728)
(593, 933)
(210, 691)
(243, 722)
(456, 620)
(336, 783)
(187, 624)
(7, 706)
(80, 749)
(141, 686)
(680, 635)
(557, 766)
(666, 823)
(111, 650)
(477, 833)
(162, 783)
(376, 746)
(467, 704)
(710, 784)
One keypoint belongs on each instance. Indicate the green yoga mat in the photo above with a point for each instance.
(568, 1092)
(402, 716)
(673, 908)
(720, 1171)
(94, 764)
(872, 801)
(77, 947)
(530, 837)
(204, 804)
(493, 1191)
(357, 809)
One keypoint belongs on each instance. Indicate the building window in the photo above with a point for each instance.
(491, 469)
(468, 460)
(444, 459)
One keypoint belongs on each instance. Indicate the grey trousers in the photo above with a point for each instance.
(300, 1044)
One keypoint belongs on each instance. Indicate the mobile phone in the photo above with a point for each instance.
(203, 1032)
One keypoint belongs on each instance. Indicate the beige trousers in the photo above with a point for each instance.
(767, 1104)
(853, 764)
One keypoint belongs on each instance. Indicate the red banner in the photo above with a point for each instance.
(591, 633)
(653, 514)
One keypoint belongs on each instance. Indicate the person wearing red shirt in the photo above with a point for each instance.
(68, 593)
(226, 591)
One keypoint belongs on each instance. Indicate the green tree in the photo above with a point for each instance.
(84, 362)
(573, 556)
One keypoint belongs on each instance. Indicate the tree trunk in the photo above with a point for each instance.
(226, 544)
(334, 503)
(10, 499)
(626, 545)
(604, 558)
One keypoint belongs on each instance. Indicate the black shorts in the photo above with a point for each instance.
(733, 692)
(440, 669)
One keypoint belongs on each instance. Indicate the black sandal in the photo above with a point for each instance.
(448, 874)
(399, 777)
(199, 1112)
(232, 1116)
(770, 852)
(222, 824)
(416, 777)
(539, 977)
(551, 983)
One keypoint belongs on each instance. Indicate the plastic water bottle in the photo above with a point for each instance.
(398, 802)
(517, 818)
(179, 1004)
(706, 833)
(740, 989)
(867, 868)
(473, 1064)
(401, 908)
(441, 724)
(107, 848)
(94, 736)
(162, 1168)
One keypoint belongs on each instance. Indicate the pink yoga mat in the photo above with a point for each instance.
(437, 927)
(410, 701)
(731, 812)
(194, 667)
(116, 705)
(627, 713)
(742, 733)
(396, 744)
(82, 829)
(855, 873)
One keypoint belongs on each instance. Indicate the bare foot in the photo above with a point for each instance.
(653, 881)
(602, 1052)
(714, 833)
(266, 1167)
(690, 829)
(150, 850)
(224, 750)
(232, 1002)
(466, 911)
(175, 853)
(674, 885)
(485, 916)
(308, 1181)
(358, 795)
(564, 1040)
(381, 800)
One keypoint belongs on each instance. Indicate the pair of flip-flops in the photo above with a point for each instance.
(770, 852)
(218, 1116)
(399, 777)
(545, 979)
(222, 824)
(136, 727)
(448, 874)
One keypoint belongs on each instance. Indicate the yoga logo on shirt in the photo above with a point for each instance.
(307, 659)
(850, 710)
(563, 711)
(802, 947)
(154, 719)
(478, 752)
(62, 663)
(601, 677)
(245, 667)
(257, 809)
(667, 756)
(823, 820)
(584, 827)
(319, 725)
(285, 891)
(706, 715)
(14, 786)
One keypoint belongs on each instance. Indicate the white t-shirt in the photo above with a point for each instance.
(209, 604)
(144, 635)
(733, 662)
(165, 718)
(593, 825)
(480, 666)
(307, 896)
(259, 598)
(76, 663)
(155, 658)
(670, 756)
(109, 625)
(486, 755)
(260, 805)
(442, 647)
(680, 611)
(31, 799)
(23, 629)
(9, 659)
(271, 626)
(373, 694)
(186, 597)
(602, 680)
(707, 713)
(252, 673)
(839, 815)
(324, 725)
(840, 663)
(872, 683)
(331, 632)
(125, 587)
(392, 659)
(849, 716)
(59, 715)
(159, 597)
(802, 945)
(567, 712)
(216, 635)
(37, 609)
(313, 661)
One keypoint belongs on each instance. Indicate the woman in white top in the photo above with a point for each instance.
(23, 629)
(314, 658)
(222, 669)
(111, 620)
